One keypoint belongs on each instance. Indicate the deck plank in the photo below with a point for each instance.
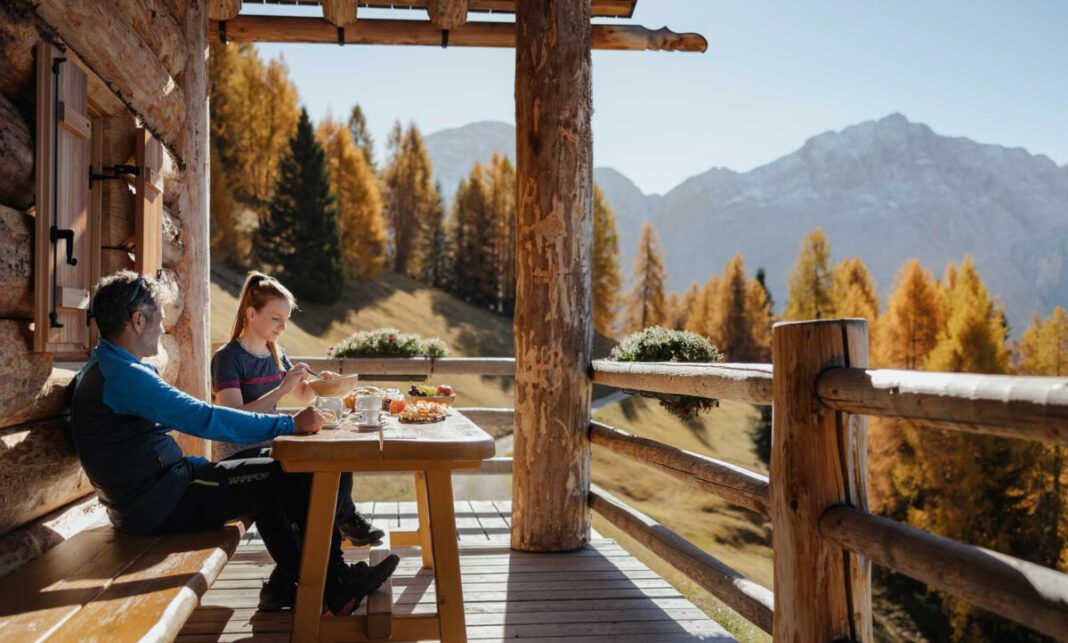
(597, 594)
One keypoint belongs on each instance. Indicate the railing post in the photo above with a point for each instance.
(818, 460)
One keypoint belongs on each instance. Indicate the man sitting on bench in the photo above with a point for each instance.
(121, 415)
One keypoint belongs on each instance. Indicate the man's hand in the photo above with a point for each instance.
(308, 421)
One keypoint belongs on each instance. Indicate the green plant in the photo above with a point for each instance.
(658, 344)
(388, 342)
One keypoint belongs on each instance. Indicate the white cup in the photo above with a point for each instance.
(369, 401)
(369, 416)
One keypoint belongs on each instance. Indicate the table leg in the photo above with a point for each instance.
(446, 556)
(422, 502)
(315, 556)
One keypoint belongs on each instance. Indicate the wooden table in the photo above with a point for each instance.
(432, 451)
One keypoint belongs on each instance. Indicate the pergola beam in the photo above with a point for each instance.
(601, 8)
(293, 29)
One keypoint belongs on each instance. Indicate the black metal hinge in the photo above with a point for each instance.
(117, 172)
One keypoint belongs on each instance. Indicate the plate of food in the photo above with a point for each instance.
(424, 413)
(441, 394)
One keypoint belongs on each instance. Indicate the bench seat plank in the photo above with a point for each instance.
(152, 598)
(45, 592)
(103, 585)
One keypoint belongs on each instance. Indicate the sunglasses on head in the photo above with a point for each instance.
(140, 285)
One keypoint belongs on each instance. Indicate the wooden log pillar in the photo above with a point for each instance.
(553, 319)
(193, 271)
(818, 460)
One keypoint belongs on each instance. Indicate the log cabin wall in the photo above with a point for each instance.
(147, 66)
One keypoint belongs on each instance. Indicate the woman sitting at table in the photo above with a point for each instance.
(252, 373)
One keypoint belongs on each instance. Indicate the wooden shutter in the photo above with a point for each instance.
(148, 213)
(62, 286)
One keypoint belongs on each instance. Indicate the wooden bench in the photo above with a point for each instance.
(103, 585)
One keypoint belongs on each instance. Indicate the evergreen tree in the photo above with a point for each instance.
(359, 204)
(276, 116)
(228, 244)
(474, 240)
(437, 270)
(732, 323)
(607, 279)
(685, 306)
(810, 281)
(646, 302)
(247, 141)
(361, 136)
(853, 292)
(675, 314)
(970, 487)
(299, 240)
(762, 279)
(909, 329)
(759, 320)
(905, 335)
(703, 314)
(409, 198)
(761, 435)
(500, 181)
(1043, 350)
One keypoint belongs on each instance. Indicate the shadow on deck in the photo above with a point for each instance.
(600, 593)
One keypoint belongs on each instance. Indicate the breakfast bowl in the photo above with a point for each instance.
(333, 387)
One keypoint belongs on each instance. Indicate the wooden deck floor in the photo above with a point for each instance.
(601, 593)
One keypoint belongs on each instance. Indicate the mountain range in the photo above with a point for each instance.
(885, 190)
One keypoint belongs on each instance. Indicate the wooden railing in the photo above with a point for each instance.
(820, 397)
(823, 537)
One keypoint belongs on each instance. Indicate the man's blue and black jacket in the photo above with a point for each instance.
(121, 414)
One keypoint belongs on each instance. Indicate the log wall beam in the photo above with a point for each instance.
(16, 157)
(472, 34)
(38, 536)
(39, 471)
(101, 37)
(16, 264)
(191, 331)
(817, 461)
(151, 20)
(554, 230)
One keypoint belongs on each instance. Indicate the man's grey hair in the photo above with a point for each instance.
(119, 295)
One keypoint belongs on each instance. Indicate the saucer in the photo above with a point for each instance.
(370, 427)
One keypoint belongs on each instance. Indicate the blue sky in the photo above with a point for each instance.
(774, 75)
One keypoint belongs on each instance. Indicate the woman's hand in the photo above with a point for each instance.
(293, 377)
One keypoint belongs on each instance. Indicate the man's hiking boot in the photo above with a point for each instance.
(357, 584)
(359, 530)
(278, 593)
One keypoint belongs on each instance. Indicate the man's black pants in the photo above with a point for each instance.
(250, 483)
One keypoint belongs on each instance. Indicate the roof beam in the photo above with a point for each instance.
(601, 8)
(447, 14)
(422, 33)
(339, 13)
